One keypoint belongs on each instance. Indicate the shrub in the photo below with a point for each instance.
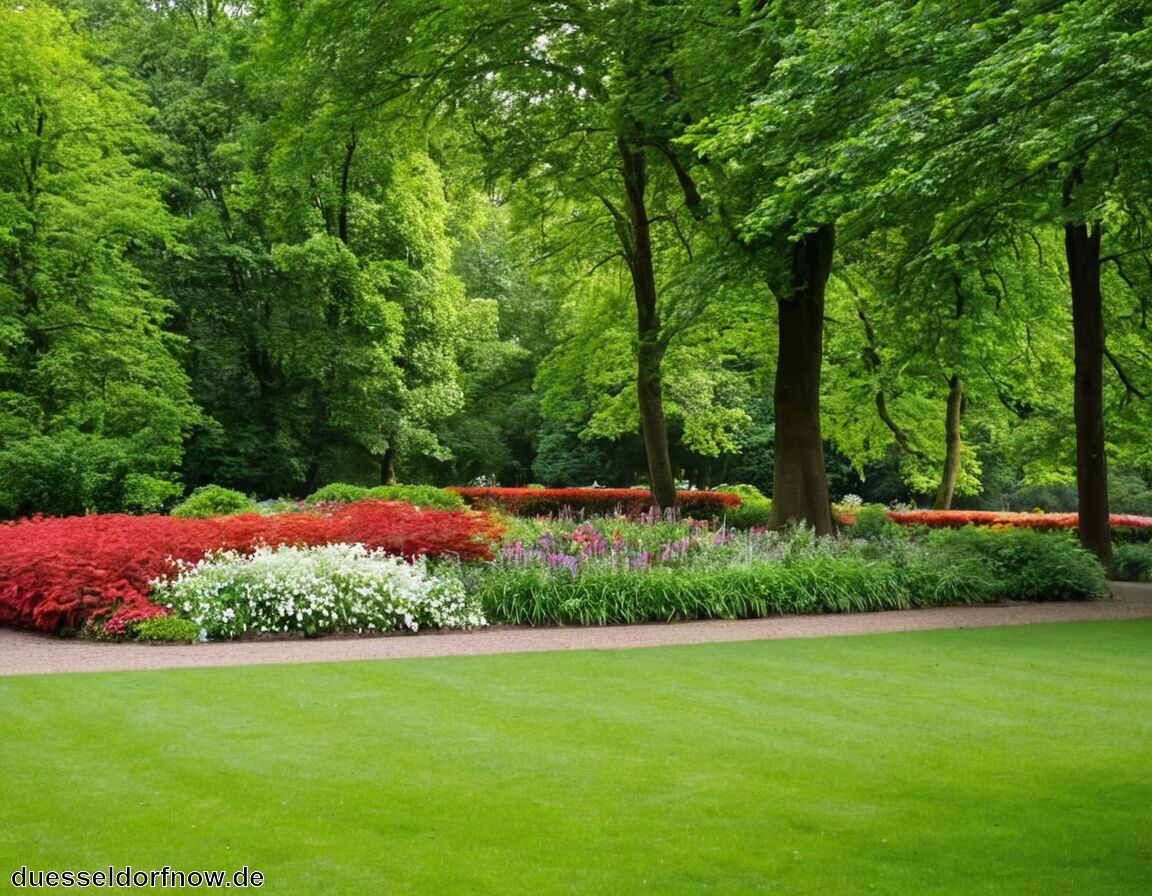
(316, 590)
(1133, 562)
(872, 521)
(69, 472)
(418, 495)
(1026, 565)
(633, 501)
(170, 629)
(148, 494)
(753, 509)
(411, 531)
(213, 500)
(121, 622)
(337, 492)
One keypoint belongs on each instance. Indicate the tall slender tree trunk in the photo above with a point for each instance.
(800, 481)
(636, 236)
(345, 188)
(1082, 247)
(388, 466)
(952, 445)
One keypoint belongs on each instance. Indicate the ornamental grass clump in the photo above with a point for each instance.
(315, 591)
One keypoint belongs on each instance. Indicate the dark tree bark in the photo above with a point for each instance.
(1082, 247)
(388, 467)
(800, 482)
(952, 442)
(634, 230)
(345, 188)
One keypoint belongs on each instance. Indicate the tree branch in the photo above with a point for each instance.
(1129, 386)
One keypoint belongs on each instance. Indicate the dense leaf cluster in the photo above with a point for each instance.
(273, 246)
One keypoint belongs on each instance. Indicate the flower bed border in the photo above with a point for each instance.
(630, 501)
(937, 519)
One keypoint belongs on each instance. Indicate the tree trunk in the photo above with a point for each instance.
(1082, 247)
(952, 442)
(636, 238)
(345, 188)
(800, 480)
(388, 467)
(312, 477)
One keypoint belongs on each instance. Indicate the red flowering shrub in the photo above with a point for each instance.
(401, 528)
(61, 572)
(631, 501)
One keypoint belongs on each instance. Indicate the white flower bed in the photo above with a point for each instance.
(315, 590)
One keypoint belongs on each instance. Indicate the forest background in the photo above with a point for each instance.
(899, 250)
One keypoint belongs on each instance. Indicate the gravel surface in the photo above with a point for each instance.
(29, 653)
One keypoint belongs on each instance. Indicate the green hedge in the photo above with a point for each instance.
(214, 500)
(418, 495)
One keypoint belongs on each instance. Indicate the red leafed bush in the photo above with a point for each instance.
(957, 518)
(631, 501)
(400, 528)
(61, 572)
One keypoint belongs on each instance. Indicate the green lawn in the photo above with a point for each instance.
(1013, 760)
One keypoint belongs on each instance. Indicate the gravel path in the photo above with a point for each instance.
(28, 653)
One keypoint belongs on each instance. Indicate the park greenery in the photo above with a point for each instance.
(895, 249)
(343, 565)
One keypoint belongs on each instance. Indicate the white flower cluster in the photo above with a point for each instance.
(315, 590)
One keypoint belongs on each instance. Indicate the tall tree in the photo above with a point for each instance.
(757, 127)
(314, 280)
(1023, 109)
(1032, 112)
(570, 95)
(94, 405)
(976, 340)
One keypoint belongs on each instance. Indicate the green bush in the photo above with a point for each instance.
(1133, 562)
(872, 522)
(342, 492)
(420, 495)
(147, 494)
(214, 500)
(1138, 535)
(166, 628)
(70, 473)
(754, 508)
(1025, 564)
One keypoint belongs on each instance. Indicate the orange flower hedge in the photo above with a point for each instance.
(631, 501)
(938, 519)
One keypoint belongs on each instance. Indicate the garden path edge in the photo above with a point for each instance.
(36, 653)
